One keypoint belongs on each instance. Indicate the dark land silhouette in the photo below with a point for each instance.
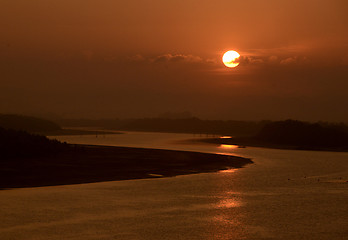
(180, 125)
(40, 126)
(29, 160)
(27, 123)
(292, 134)
(289, 134)
(21, 144)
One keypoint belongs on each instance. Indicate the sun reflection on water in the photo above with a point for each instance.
(228, 217)
(231, 170)
(228, 203)
(227, 146)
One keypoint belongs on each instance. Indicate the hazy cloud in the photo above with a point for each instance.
(137, 58)
(251, 60)
(273, 59)
(177, 58)
(288, 61)
(165, 58)
(262, 60)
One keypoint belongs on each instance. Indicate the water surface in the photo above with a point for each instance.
(285, 194)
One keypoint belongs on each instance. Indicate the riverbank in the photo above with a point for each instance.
(87, 164)
(251, 142)
(76, 131)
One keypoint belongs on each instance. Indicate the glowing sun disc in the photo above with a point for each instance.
(229, 59)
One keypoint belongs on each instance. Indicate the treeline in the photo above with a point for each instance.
(293, 134)
(20, 144)
(188, 125)
(305, 135)
(26, 123)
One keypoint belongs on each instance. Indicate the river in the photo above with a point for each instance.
(285, 194)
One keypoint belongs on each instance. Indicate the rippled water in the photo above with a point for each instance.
(283, 195)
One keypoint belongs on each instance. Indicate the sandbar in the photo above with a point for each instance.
(89, 163)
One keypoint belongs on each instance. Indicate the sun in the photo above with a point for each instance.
(229, 59)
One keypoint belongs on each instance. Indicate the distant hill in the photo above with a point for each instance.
(20, 144)
(26, 123)
(183, 125)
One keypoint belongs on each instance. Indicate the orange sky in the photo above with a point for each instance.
(137, 58)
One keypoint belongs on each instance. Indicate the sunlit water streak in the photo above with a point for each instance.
(283, 195)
